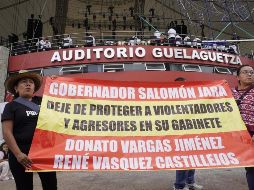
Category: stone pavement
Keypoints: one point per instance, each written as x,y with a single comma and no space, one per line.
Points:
218,179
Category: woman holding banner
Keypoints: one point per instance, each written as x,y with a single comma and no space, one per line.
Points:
19,121
244,95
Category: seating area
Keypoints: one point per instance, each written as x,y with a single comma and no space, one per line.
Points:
121,38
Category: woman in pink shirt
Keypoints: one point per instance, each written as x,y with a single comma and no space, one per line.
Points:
244,95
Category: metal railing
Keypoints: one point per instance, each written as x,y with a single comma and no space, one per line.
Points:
116,38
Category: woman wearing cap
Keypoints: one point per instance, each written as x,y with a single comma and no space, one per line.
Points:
244,95
18,129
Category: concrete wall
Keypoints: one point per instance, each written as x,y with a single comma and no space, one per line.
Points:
2,105
4,54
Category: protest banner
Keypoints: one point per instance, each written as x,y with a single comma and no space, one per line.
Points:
113,126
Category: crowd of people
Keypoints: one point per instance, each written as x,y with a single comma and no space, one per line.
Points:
45,44
174,39
171,38
19,127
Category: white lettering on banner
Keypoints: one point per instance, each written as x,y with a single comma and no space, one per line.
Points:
79,54
213,91
65,89
56,57
77,156
109,53
114,163
205,143
179,53
138,146
211,56
91,145
166,93
88,54
196,161
185,56
69,53
97,52
81,162
157,52
204,56
121,53
195,55
71,162
140,52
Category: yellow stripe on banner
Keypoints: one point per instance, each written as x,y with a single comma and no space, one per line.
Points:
137,118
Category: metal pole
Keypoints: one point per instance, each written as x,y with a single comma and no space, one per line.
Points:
244,30
222,31
147,22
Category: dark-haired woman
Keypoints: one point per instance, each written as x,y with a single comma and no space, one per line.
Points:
244,96
19,120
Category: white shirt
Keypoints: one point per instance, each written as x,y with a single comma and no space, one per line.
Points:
2,105
196,40
234,48
187,38
171,33
93,40
178,37
47,44
157,34
1,155
41,44
67,41
134,41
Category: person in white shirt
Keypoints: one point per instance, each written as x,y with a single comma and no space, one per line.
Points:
47,44
196,42
157,34
5,172
67,42
171,36
187,41
157,37
233,49
43,44
40,44
134,40
178,40
171,33
92,37
89,40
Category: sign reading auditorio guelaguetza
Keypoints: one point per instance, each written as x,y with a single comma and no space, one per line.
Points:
142,53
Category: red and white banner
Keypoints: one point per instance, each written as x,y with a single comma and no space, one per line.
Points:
107,125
